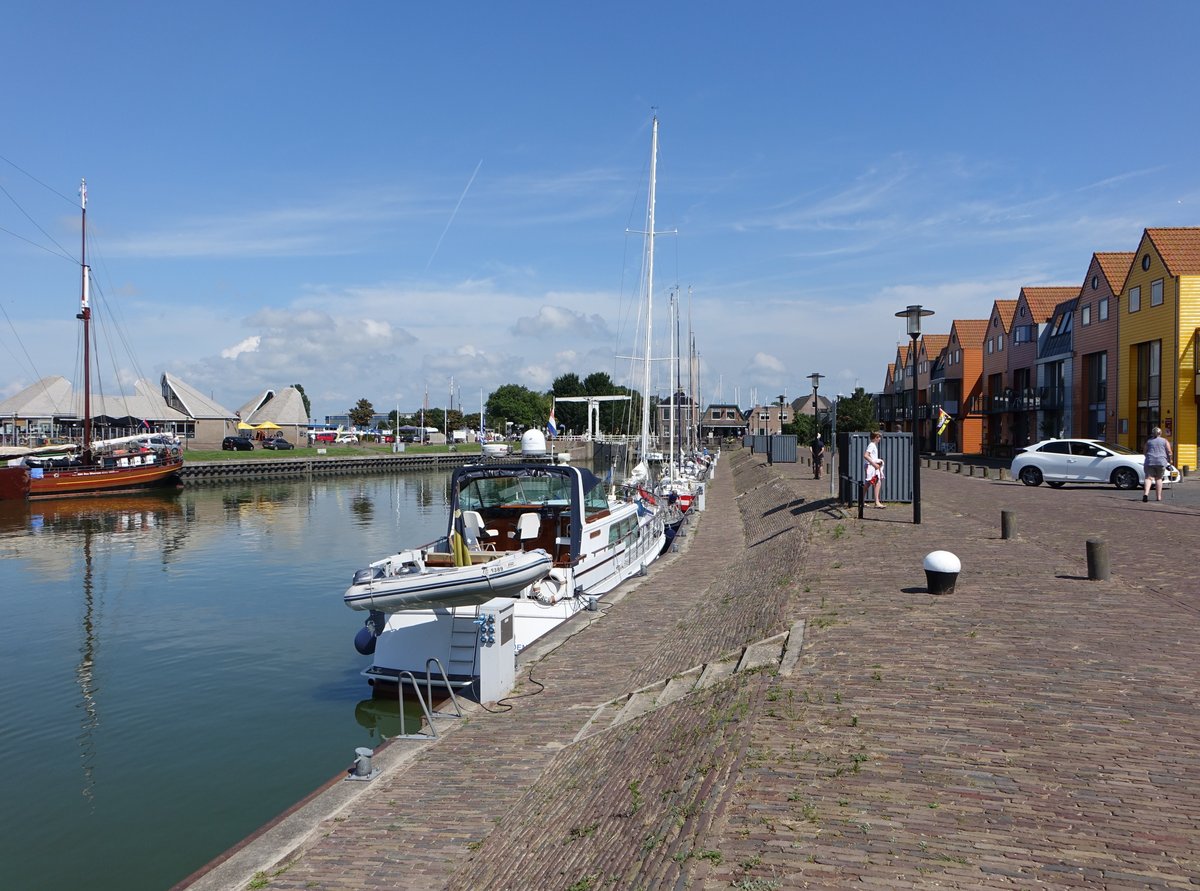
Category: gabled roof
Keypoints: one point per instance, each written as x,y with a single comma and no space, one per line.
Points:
245,411
195,404
970,332
46,398
145,403
54,396
1114,266
933,344
286,408
1005,309
1043,300
1179,248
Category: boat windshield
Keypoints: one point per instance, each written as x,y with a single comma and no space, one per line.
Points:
505,491
596,499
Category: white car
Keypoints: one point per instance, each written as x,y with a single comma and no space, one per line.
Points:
347,437
1062,461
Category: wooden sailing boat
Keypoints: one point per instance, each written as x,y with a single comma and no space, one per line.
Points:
121,465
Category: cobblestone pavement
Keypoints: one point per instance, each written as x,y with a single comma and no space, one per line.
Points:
1033,729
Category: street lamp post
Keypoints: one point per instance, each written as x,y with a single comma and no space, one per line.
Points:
913,314
815,379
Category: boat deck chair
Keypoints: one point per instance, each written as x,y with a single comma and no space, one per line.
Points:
477,535
528,528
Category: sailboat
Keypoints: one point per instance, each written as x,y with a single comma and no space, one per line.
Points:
546,538
93,467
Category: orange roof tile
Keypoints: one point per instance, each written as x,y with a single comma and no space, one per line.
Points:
1043,300
970,332
934,344
1005,309
1115,266
1179,248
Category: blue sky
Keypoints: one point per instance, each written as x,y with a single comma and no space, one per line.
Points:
373,199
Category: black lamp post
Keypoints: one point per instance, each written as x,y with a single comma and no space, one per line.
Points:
913,314
815,379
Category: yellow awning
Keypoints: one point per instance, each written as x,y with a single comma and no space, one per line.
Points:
242,425
267,425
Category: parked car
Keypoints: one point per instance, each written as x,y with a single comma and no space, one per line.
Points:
278,443
347,437
1062,461
325,437
237,444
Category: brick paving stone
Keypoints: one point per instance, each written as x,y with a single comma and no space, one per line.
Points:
1034,729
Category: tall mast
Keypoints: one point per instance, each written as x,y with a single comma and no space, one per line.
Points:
649,290
85,314
673,408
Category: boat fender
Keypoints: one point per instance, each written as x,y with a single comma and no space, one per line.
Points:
364,641
368,634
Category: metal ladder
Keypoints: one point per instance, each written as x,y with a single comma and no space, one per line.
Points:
425,698
464,642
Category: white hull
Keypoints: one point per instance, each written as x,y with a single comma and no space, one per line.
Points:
595,548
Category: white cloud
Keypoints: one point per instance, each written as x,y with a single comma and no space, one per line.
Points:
249,345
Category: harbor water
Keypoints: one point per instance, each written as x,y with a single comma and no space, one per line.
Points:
176,670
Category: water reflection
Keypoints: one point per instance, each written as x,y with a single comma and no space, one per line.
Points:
135,622
381,718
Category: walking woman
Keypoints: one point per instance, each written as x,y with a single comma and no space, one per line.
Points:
874,476
1158,456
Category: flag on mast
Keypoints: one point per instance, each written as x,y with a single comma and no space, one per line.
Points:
943,421
551,426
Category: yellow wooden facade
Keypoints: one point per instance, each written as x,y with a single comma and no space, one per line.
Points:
1174,323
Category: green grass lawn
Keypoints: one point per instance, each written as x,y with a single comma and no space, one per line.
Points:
332,450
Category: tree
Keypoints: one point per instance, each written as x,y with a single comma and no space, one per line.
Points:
856,413
517,404
362,413
617,416
569,415
307,405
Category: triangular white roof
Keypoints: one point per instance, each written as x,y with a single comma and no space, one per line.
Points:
285,408
195,404
49,397
245,411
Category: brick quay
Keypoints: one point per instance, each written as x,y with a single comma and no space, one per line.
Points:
1032,729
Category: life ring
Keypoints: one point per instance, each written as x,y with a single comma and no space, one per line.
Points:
174,451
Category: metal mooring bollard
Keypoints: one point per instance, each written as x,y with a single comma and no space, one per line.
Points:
1097,560
1008,524
362,769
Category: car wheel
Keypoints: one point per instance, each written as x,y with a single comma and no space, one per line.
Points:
1031,476
1125,478
1057,484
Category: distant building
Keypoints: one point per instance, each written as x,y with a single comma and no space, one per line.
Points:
721,420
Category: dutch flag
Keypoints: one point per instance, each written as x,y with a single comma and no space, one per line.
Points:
551,427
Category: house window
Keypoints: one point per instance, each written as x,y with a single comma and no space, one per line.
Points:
990,345
1156,292
1085,315
999,343
1102,309
1023,334
957,356
1096,376
1149,380
1135,299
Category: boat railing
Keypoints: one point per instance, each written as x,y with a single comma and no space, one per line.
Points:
425,699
